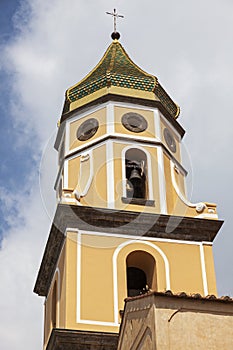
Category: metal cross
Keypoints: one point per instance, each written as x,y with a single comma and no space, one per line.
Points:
115,15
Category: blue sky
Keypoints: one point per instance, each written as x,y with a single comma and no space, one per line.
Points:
16,161
7,9
47,47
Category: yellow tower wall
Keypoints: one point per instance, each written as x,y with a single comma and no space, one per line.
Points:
92,276
100,115
147,114
105,152
60,282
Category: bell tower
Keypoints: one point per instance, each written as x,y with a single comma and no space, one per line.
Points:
123,224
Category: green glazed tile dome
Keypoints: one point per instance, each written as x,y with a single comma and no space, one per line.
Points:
116,69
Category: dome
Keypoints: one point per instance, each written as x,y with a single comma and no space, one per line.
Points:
114,76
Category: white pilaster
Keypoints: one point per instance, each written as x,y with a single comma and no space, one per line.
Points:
110,175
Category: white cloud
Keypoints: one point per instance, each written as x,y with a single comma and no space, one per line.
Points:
21,311
188,45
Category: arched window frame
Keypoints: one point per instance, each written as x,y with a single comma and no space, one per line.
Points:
150,196
55,292
54,305
146,262
119,268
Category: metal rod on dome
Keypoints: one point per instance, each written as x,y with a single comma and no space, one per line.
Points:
115,15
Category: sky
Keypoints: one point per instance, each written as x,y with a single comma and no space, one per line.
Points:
46,47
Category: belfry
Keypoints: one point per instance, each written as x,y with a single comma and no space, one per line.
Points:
123,226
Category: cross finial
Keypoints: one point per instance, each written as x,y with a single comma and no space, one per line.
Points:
115,15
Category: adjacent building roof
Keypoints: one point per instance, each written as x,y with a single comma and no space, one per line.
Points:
183,295
117,74
157,320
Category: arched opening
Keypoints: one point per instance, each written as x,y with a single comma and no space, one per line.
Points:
141,273
136,173
54,305
136,281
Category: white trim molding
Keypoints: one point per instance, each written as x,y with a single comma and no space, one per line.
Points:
137,238
78,302
200,206
207,216
79,193
110,119
65,174
110,174
67,138
162,182
157,123
203,269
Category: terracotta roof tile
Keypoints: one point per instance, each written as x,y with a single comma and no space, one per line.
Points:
169,293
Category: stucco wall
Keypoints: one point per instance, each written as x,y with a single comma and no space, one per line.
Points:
175,322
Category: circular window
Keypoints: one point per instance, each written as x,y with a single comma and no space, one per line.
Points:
87,129
170,141
134,122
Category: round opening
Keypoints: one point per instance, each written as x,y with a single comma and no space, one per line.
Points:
170,141
134,122
87,129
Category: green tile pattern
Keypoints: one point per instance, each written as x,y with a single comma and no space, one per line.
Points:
166,100
117,69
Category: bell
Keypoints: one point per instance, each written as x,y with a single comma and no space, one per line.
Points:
135,176
137,184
